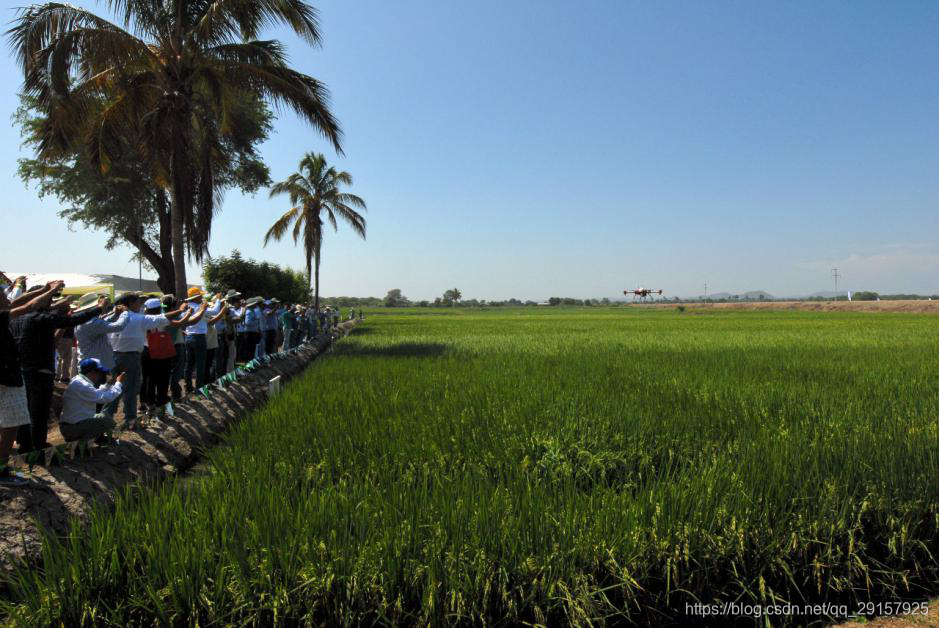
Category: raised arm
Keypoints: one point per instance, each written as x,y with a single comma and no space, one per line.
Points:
29,297
219,316
197,316
182,321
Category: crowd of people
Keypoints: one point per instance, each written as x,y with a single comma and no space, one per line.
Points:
138,353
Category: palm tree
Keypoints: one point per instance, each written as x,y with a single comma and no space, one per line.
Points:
314,191
174,77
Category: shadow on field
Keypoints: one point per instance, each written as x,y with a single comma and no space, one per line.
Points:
401,350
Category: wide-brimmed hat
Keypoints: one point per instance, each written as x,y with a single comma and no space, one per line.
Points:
87,301
194,293
232,294
253,301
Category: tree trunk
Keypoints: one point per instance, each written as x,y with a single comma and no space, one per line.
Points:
166,279
181,203
159,263
316,285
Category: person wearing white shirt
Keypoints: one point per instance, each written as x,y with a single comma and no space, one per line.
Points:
129,343
80,419
196,348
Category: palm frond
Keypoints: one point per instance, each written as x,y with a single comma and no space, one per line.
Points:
279,228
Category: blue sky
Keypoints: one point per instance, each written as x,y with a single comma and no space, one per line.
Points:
534,148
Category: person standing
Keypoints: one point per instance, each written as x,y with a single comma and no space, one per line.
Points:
252,328
159,357
92,336
195,341
269,325
64,342
286,327
128,345
216,315
236,329
35,340
14,406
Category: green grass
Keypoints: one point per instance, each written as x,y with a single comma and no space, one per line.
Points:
542,465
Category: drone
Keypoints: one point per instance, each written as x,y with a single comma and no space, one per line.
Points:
642,293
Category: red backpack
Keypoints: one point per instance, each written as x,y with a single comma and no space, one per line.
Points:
160,344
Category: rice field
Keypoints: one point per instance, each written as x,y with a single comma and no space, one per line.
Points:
545,466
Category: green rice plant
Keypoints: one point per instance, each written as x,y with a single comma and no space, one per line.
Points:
545,466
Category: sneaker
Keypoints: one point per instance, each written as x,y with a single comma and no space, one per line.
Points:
12,478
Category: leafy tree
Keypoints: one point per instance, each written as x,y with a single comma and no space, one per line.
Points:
124,202
252,278
452,296
864,295
315,191
172,79
394,298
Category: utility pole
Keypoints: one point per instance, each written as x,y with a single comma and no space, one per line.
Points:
835,276
705,291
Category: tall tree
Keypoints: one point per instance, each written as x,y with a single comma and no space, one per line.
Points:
124,202
315,191
171,77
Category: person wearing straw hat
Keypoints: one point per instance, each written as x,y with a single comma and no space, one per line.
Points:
268,327
128,346
80,419
194,333
92,336
14,405
35,340
252,335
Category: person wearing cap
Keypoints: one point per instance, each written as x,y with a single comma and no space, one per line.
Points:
80,419
159,356
92,336
14,405
35,340
225,329
128,346
195,339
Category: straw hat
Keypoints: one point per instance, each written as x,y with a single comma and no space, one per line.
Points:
86,302
253,301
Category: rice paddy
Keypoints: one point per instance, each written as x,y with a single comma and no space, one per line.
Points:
545,466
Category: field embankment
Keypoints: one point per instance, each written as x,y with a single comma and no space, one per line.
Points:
551,467
67,490
917,306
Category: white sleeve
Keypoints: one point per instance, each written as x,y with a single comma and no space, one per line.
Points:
155,321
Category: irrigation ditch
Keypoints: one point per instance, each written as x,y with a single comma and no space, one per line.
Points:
60,493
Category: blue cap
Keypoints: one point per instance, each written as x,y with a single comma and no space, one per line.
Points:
92,364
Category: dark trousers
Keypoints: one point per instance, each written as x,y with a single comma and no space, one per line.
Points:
146,373
195,360
221,356
39,388
176,374
209,374
248,342
270,339
156,381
